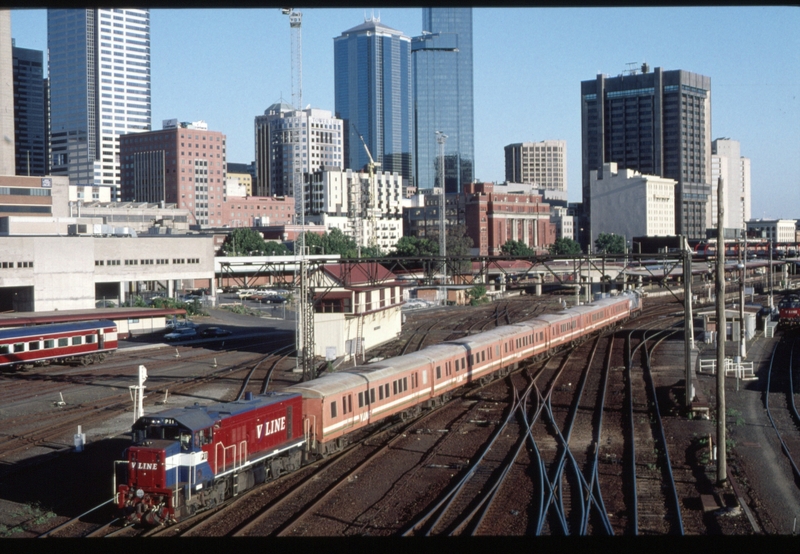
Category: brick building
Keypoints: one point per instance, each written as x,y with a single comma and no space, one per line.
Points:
494,216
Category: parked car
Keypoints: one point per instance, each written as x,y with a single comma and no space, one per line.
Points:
182,333
215,332
176,323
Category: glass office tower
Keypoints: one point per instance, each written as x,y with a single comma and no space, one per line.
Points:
373,96
443,98
99,73
29,112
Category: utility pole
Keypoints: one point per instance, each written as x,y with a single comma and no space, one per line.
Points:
722,468
441,139
688,326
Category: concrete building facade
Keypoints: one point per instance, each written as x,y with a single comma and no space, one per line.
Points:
775,230
627,203
656,123
99,89
727,162
542,163
291,143
7,149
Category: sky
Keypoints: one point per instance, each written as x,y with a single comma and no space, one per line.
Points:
226,66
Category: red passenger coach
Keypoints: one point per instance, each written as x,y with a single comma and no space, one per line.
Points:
82,342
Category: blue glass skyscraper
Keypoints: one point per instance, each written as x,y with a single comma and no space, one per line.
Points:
442,59
372,67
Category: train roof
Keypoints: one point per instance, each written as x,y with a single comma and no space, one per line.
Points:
199,416
39,330
489,337
18,319
328,385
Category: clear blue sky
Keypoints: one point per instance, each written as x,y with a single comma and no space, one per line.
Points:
227,66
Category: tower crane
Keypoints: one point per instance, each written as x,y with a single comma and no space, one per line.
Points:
304,332
373,208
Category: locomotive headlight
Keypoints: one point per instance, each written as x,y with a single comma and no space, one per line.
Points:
139,493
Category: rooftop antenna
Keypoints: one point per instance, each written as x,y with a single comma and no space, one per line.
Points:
632,68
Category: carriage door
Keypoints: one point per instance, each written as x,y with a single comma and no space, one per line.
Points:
101,339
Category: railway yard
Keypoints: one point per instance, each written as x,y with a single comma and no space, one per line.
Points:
594,440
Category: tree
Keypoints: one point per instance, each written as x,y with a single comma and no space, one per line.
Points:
272,248
242,242
415,247
609,243
517,249
565,247
477,295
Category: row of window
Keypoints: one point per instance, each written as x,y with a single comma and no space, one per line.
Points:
46,344
10,265
160,261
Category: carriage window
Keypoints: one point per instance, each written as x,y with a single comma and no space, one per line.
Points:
333,409
3,349
89,339
380,392
49,343
405,383
372,396
438,372
361,400
33,345
76,341
386,387
19,347
63,342
394,387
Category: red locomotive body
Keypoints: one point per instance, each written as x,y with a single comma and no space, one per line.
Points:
188,459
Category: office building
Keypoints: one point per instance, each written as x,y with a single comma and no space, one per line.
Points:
182,164
372,79
443,98
541,163
290,144
99,81
655,123
647,202
726,162
29,112
6,96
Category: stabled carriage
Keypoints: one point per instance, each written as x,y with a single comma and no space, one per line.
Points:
187,459
81,342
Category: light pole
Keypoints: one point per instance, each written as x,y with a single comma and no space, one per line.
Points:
441,139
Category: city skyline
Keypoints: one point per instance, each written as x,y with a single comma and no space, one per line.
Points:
527,86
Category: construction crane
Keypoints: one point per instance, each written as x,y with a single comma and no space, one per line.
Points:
304,332
373,208
296,26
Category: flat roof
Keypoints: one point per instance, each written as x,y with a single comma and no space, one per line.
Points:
18,319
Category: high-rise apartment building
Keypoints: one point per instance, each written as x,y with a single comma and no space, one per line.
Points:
543,163
443,98
6,96
29,112
655,123
726,162
182,164
372,76
292,143
99,80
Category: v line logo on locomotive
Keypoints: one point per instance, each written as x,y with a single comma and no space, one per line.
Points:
271,427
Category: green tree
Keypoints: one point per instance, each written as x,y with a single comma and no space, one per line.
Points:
415,247
609,243
272,248
565,247
243,242
517,248
477,295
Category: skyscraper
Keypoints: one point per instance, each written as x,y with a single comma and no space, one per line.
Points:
372,72
655,123
29,112
99,73
289,142
443,97
543,163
